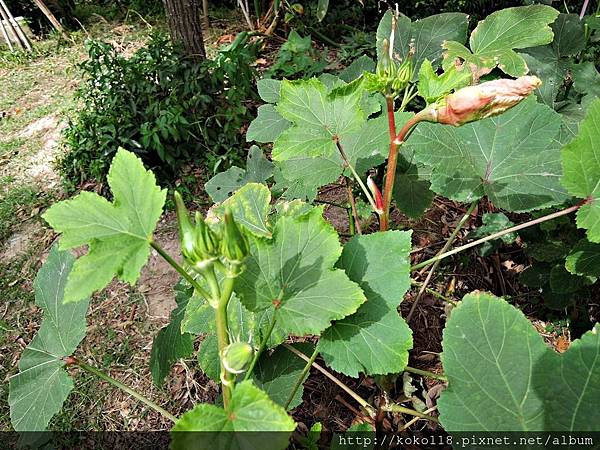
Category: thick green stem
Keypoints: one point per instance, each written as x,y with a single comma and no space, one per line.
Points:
446,246
497,235
227,378
180,270
213,283
300,379
262,345
123,387
425,373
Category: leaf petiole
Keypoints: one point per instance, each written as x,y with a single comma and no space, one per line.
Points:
300,379
223,336
180,270
355,175
93,370
499,234
446,246
263,344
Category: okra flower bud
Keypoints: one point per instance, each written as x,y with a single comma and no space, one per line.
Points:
377,197
207,242
186,231
480,101
234,246
236,356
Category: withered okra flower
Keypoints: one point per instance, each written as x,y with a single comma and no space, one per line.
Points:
480,101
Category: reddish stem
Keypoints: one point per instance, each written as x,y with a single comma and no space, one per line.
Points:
395,141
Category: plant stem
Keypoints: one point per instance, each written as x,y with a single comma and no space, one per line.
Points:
181,270
394,407
446,246
414,419
435,293
123,387
300,379
262,346
227,378
213,283
499,234
361,401
390,175
425,373
353,207
583,9
355,175
323,38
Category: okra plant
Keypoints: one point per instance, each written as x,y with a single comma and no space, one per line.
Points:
266,280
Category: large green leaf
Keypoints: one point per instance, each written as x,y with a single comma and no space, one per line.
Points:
303,170
267,126
412,192
503,377
250,409
118,234
433,87
292,276
581,165
490,351
357,68
250,206
209,359
365,148
269,89
316,118
584,259
171,344
569,383
586,80
277,373
424,36
494,39
258,170
513,158
374,340
551,63
38,391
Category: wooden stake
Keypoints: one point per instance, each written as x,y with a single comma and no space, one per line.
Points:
11,28
55,23
6,36
16,26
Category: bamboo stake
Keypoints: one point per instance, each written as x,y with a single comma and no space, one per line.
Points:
6,36
55,23
17,27
10,26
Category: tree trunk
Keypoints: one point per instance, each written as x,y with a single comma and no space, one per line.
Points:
205,14
183,17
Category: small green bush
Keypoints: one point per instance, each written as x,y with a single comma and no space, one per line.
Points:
166,108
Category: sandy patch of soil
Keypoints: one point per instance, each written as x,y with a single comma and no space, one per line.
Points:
158,277
40,165
19,243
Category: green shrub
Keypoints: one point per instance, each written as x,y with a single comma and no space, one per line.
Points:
167,109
